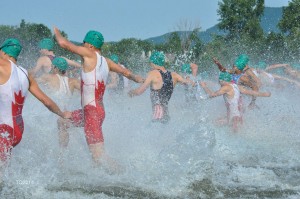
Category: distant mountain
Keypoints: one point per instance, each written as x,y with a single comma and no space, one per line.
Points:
268,22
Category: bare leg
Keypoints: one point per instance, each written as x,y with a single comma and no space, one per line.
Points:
4,159
63,134
97,151
236,122
100,158
63,137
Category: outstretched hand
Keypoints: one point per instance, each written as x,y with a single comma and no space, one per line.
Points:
56,30
266,94
215,60
67,115
57,34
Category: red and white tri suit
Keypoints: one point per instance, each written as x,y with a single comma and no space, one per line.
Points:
12,97
92,114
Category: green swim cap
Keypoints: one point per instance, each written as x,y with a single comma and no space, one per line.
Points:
60,63
225,76
186,68
157,58
12,47
114,58
95,38
46,44
242,61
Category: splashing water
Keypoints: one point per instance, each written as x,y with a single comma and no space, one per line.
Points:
190,157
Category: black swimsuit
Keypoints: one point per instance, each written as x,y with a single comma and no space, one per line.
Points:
161,97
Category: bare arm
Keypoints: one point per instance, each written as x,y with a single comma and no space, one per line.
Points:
66,44
220,66
286,79
221,91
39,66
182,80
277,66
73,63
42,97
142,88
245,91
124,71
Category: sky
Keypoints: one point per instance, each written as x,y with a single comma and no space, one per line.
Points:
116,19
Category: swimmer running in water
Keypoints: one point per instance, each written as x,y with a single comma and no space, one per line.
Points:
62,88
95,69
242,75
162,83
14,86
117,82
231,93
44,62
288,70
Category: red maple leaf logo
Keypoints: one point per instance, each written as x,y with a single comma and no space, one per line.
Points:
99,91
17,108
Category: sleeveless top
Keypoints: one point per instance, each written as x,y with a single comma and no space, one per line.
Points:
93,83
64,88
233,104
160,98
63,95
163,95
12,97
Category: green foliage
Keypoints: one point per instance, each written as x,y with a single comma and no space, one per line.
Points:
29,35
129,51
173,45
241,17
290,22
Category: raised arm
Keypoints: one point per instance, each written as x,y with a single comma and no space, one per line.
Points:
220,66
124,71
66,44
